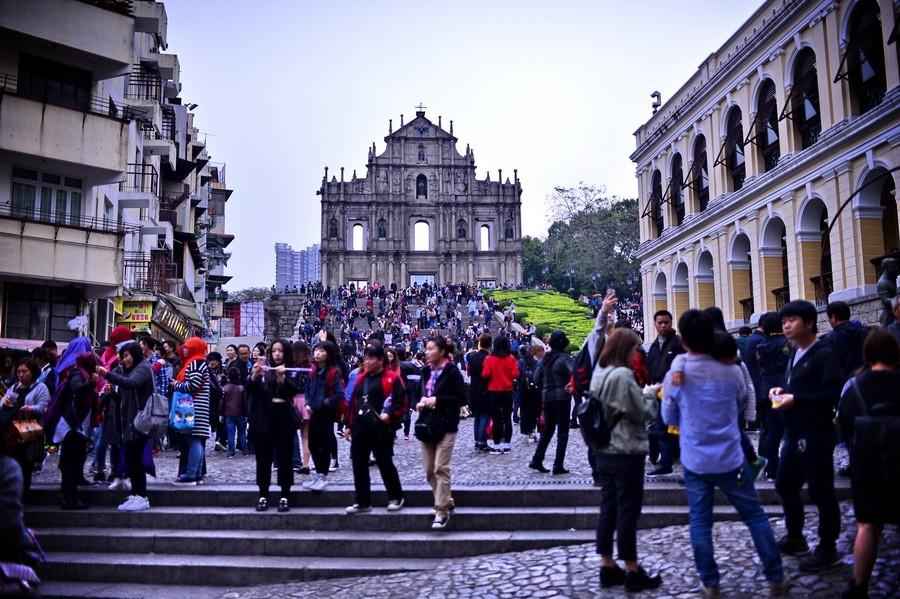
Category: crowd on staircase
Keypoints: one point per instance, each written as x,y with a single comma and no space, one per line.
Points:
428,356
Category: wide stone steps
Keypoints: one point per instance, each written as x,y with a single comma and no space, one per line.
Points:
211,535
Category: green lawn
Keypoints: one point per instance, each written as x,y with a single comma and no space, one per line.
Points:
549,310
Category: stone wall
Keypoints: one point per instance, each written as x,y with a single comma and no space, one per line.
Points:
866,310
282,312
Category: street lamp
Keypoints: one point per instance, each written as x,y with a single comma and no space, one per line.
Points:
596,278
546,271
570,272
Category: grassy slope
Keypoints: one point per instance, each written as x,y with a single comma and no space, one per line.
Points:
549,310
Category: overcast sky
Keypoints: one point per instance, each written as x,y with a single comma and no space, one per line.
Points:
553,89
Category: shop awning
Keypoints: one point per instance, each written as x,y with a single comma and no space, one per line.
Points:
27,344
186,308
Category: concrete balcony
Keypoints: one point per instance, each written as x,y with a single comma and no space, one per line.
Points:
168,65
156,144
104,37
78,250
150,17
140,189
84,136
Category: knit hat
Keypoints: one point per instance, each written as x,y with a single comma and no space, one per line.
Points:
120,335
558,340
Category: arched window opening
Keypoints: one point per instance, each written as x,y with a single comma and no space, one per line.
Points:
878,223
508,230
461,229
358,238
422,153
803,103
706,294
422,237
332,229
775,263
742,277
656,203
732,152
862,65
677,186
484,238
699,176
765,127
382,229
421,186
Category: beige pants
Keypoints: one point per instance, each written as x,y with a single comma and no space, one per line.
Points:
436,459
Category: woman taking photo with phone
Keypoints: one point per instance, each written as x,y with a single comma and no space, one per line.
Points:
272,423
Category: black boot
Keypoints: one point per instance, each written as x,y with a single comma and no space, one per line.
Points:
641,581
856,591
611,576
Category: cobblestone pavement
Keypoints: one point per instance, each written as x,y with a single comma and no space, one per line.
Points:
572,571
469,467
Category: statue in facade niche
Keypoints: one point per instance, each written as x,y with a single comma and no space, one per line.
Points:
887,289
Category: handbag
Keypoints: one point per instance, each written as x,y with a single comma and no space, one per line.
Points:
595,429
24,432
153,420
874,451
431,426
181,412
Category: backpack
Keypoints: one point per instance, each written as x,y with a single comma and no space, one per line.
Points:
595,428
875,453
583,369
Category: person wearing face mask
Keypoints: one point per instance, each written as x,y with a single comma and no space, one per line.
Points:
134,379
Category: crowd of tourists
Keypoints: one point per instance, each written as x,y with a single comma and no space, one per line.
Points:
688,396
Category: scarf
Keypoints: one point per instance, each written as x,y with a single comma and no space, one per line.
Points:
192,350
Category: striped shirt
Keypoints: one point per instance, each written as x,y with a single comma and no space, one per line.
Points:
196,382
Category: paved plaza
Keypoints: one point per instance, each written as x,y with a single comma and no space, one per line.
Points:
557,572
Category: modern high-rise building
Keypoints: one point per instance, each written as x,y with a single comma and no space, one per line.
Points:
296,267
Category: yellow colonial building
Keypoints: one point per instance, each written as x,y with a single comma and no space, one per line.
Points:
770,174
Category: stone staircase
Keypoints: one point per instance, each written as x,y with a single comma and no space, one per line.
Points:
209,538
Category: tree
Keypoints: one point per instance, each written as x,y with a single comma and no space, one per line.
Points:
532,260
591,235
250,294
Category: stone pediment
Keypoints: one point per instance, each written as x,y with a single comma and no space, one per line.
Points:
420,128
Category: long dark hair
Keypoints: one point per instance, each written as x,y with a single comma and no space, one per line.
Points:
286,352
137,355
331,350
501,347
300,353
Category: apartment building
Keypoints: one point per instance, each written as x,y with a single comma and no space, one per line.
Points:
771,174
105,182
296,267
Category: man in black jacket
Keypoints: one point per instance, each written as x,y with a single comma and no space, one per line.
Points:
553,378
662,351
846,337
814,378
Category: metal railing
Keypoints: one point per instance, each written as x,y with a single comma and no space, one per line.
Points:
156,273
747,307
76,221
823,286
143,84
140,177
782,296
75,99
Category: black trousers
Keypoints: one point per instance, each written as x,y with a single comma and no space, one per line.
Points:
501,414
770,438
808,456
134,464
277,444
529,410
380,444
74,453
622,479
556,417
321,438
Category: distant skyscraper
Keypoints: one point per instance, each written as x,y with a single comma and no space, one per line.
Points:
296,267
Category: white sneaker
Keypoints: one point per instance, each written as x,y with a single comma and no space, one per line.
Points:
123,507
308,482
137,504
395,505
120,484
319,484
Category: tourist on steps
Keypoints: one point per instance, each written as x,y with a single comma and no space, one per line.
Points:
324,398
442,390
501,371
619,467
553,378
272,429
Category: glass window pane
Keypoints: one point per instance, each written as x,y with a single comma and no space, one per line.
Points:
75,209
46,203
60,215
23,200
23,173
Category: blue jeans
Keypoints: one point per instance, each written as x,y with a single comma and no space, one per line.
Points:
99,448
700,490
481,422
236,424
194,447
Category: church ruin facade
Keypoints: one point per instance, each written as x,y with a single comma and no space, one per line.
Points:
420,215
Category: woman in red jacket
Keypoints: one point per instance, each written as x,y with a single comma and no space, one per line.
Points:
500,371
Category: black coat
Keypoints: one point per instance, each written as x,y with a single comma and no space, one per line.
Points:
478,395
815,382
553,375
261,391
450,391
660,360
